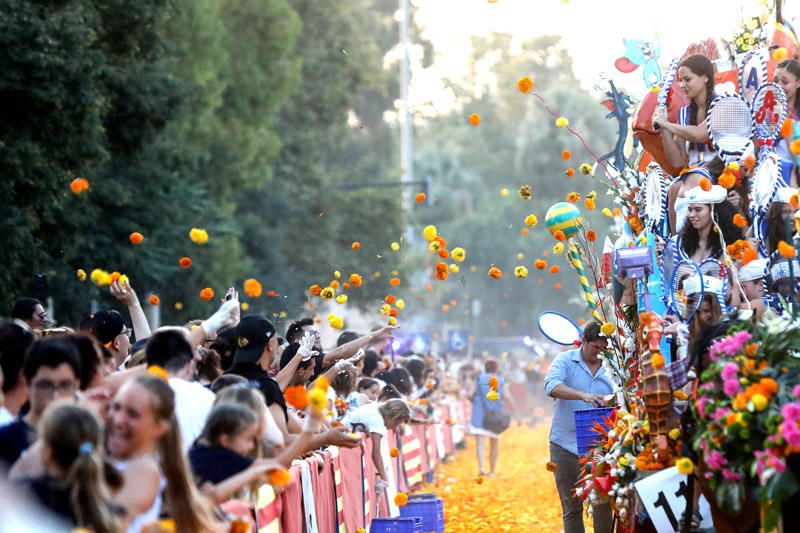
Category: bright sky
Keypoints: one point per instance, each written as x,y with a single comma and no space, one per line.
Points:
592,30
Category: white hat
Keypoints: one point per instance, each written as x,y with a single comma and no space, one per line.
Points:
784,194
691,285
755,269
780,270
715,195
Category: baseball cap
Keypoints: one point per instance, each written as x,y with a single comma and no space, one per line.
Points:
105,324
252,335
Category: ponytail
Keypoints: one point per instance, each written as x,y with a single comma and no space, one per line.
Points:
73,435
187,507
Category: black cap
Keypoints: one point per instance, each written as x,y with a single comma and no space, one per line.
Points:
252,335
105,324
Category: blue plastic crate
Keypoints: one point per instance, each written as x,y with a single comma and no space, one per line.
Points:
422,496
396,525
429,508
585,420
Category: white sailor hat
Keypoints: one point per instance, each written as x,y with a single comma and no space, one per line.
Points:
780,269
691,285
755,269
715,195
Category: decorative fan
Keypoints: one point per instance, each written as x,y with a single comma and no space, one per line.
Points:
764,183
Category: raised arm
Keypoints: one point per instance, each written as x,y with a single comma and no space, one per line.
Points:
226,316
350,348
125,294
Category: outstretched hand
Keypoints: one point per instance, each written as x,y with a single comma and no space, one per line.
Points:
124,293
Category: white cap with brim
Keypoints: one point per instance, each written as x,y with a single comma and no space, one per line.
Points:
755,269
780,270
784,194
715,195
711,284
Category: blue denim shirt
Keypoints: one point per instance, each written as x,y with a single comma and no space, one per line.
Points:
570,369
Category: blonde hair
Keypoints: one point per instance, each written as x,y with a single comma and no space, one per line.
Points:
253,400
74,437
396,409
187,507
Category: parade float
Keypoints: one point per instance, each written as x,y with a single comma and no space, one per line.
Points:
737,426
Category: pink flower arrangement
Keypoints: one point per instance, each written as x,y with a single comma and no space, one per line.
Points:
729,346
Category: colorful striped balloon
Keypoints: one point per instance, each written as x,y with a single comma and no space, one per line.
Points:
563,216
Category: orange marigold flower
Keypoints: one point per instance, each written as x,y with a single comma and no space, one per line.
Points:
795,147
154,300
479,479
394,452
493,382
554,269
296,396
390,299
115,276
739,220
393,312
334,283
551,466
252,288
356,245
444,254
136,238
786,249
401,499
495,273
566,154
769,385
441,272
316,289
787,128
441,241
559,235
355,280
524,231
420,197
185,262
474,119
279,477
345,285
570,172
794,201
727,179
705,184
394,282
207,293
557,286
78,185
591,235
657,360
750,349
749,162
525,84
541,264
272,293
589,203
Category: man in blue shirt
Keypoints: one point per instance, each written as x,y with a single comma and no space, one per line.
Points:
576,380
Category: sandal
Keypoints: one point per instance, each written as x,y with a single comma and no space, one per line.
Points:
694,523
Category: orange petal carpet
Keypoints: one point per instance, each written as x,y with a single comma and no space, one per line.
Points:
522,497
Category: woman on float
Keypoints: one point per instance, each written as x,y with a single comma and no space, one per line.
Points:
686,142
144,444
787,75
779,210
708,229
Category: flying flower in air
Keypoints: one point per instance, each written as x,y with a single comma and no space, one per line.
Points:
585,169
495,273
525,84
252,288
441,271
531,220
78,185
207,293
526,192
429,233
198,236
474,119
420,197
185,262
573,197
458,254
327,293
335,321
562,122
81,273
136,238
355,280
521,272
356,245
154,300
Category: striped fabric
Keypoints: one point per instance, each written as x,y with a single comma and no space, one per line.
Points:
339,490
267,513
412,455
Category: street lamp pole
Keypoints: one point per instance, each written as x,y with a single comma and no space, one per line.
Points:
406,143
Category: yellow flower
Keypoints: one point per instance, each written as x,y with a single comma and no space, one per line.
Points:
521,272
585,169
573,197
685,466
395,246
779,54
179,306
317,399
124,280
493,396
81,274
526,192
760,401
434,246
400,304
525,84
454,268
429,233
608,329
327,293
245,306
341,299
562,122
558,248
503,192
531,220
386,309
607,212
458,254
336,322
100,277
198,236
392,321
337,274
674,433
624,461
